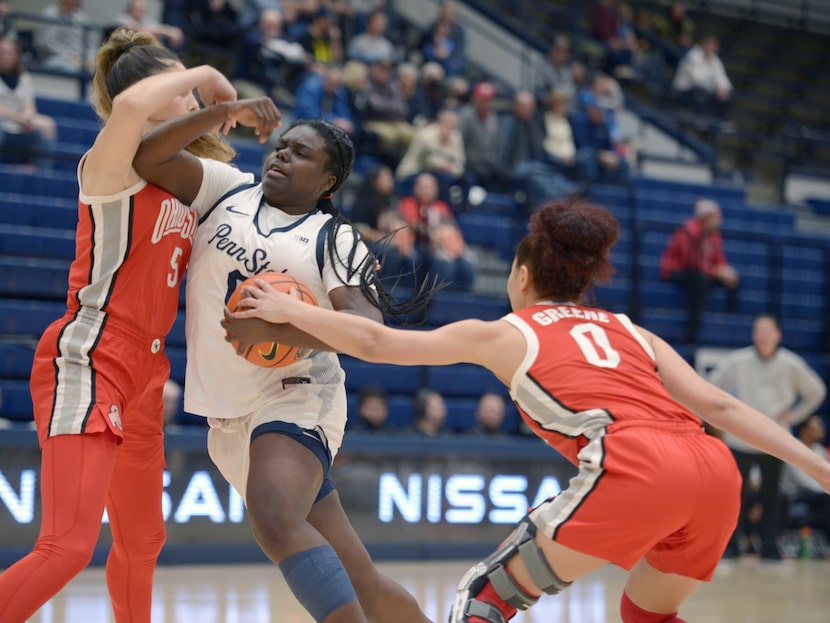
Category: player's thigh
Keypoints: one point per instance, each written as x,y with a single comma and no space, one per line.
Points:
284,475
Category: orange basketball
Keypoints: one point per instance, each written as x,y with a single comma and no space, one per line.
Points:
272,354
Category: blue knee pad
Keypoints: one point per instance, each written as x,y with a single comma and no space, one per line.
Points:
318,580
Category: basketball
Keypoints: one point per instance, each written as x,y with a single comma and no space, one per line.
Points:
272,354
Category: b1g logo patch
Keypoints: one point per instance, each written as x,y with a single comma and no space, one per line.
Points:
115,417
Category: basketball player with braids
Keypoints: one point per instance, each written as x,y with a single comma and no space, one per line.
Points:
653,494
275,431
99,372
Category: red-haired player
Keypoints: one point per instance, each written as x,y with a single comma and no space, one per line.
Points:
654,493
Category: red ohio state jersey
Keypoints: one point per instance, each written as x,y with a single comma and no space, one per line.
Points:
585,369
131,253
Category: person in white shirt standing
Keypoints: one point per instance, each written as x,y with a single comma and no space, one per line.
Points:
780,384
701,82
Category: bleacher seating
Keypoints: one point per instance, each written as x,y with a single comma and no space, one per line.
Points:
781,267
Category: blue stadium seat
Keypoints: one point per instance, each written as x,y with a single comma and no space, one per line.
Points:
63,108
17,401
462,380
28,318
461,414
394,379
451,306
495,231
33,277
59,184
615,296
15,359
37,241
718,192
38,211
176,336
178,358
78,131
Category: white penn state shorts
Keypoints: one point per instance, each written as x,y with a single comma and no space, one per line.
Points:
319,408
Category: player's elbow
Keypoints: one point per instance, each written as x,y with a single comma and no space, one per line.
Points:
718,408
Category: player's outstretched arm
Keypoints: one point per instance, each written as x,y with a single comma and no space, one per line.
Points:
161,158
497,345
730,414
109,165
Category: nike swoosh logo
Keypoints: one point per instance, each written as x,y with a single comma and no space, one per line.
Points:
233,210
271,353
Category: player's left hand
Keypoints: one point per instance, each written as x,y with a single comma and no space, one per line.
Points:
259,113
246,330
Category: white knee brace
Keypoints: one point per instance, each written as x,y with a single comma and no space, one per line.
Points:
521,541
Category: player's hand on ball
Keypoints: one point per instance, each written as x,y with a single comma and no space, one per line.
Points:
246,331
264,302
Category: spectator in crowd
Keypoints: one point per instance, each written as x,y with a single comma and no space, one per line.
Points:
268,62
480,128
799,488
595,147
212,35
26,136
558,142
372,44
428,98
64,43
172,12
321,95
250,12
407,75
7,29
694,260
374,196
386,233
171,396
456,90
372,410
322,39
429,412
444,41
353,14
386,112
676,31
522,153
490,415
604,23
135,17
356,81
611,99
437,148
701,82
627,34
557,73
438,238
778,383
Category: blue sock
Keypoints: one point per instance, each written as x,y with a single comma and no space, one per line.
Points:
318,580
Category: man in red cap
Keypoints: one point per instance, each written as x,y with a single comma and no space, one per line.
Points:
694,260
480,129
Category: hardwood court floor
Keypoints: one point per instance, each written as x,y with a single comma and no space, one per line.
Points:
743,591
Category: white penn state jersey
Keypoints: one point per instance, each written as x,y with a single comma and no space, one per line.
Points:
238,236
